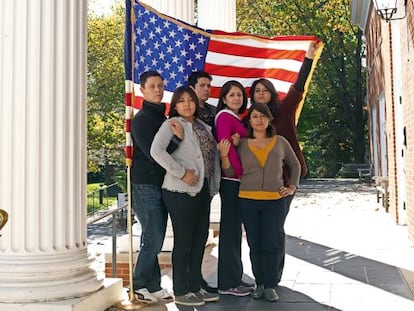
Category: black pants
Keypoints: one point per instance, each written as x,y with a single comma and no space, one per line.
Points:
190,221
288,201
230,268
263,221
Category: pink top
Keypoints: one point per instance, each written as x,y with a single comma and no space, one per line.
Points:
227,124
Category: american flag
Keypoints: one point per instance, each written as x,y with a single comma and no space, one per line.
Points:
154,41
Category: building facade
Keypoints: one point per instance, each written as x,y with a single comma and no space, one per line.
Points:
390,72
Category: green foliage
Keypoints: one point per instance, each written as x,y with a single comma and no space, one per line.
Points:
332,127
106,134
333,124
94,204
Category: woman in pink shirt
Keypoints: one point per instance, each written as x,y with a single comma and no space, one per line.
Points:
228,125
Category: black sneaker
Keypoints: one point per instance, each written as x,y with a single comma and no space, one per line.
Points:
271,295
239,291
204,285
189,299
206,296
258,292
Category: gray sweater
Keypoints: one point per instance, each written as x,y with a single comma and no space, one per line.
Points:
187,156
270,177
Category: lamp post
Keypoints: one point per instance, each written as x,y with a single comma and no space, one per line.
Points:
387,9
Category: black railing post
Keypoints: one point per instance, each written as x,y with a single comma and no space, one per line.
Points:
101,193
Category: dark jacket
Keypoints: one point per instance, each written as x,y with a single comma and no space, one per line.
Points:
144,126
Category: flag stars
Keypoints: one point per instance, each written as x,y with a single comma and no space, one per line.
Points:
140,14
169,48
172,34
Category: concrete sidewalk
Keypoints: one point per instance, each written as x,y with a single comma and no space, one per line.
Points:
343,253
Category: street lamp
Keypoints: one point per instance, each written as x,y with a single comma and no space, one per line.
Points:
387,8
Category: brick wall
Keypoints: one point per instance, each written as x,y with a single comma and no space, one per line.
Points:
407,51
122,271
379,63
122,265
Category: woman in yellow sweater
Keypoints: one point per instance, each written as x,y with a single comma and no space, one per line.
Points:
262,194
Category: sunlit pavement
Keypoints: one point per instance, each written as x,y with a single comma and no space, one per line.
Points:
344,252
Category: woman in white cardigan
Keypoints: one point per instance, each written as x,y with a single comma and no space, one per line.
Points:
192,178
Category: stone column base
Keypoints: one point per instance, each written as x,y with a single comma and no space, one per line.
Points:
107,296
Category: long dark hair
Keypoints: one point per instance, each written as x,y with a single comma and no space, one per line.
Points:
179,91
225,89
274,99
264,109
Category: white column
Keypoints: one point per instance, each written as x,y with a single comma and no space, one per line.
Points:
217,14
43,247
181,9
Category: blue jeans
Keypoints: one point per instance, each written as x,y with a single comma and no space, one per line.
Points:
149,207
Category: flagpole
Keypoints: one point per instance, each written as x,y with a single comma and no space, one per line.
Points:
131,303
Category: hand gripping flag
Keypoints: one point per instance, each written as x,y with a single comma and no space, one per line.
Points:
154,41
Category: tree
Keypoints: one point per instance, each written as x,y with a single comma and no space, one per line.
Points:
106,134
332,127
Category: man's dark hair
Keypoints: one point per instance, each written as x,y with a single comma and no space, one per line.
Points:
193,79
148,74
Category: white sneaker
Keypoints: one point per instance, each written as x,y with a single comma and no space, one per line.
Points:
144,295
163,295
